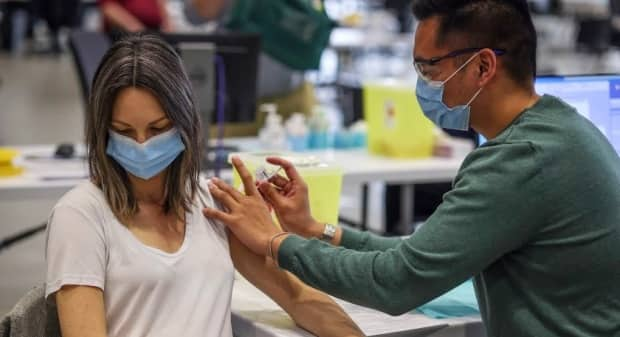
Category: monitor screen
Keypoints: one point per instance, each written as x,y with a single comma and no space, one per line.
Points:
239,53
595,97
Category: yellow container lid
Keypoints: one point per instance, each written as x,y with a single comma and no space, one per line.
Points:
7,169
10,171
7,156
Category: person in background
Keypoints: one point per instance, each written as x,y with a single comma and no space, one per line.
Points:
135,15
207,9
128,252
57,14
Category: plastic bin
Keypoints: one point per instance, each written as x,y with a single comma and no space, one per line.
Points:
396,125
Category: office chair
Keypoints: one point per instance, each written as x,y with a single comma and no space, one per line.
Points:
31,316
87,48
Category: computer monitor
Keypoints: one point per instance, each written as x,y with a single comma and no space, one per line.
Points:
199,61
205,57
239,53
596,97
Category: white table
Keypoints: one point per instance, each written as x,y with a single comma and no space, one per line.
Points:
255,314
51,178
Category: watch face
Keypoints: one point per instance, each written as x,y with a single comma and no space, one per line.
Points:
328,232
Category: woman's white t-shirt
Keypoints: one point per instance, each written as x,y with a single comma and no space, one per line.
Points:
147,292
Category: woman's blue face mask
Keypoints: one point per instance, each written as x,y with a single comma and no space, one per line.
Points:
430,98
148,159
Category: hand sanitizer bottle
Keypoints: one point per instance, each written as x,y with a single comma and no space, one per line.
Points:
272,136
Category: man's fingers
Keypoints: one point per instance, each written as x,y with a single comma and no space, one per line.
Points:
222,196
289,168
218,215
279,181
270,193
246,177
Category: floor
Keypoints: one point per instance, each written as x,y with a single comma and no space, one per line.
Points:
40,100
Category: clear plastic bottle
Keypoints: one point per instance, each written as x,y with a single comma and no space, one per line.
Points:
297,132
273,135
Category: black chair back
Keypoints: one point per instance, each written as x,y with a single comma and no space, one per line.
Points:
87,48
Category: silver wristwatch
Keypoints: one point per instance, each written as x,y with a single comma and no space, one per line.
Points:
328,233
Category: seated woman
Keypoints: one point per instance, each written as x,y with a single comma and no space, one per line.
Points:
134,16
129,252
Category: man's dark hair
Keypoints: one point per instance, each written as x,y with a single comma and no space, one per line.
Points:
500,24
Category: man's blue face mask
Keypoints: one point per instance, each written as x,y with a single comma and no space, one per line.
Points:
148,159
430,98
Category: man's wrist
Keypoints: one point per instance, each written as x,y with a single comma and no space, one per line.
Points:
275,246
315,230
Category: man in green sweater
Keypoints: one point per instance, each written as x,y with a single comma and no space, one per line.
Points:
534,215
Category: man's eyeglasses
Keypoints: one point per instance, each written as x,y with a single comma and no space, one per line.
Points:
426,68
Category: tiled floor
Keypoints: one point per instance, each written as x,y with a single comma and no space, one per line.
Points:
40,100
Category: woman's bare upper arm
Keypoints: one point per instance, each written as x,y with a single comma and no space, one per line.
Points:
81,311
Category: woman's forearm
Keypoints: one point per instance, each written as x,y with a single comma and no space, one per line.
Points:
309,308
319,314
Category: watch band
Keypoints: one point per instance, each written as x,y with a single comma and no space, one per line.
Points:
328,233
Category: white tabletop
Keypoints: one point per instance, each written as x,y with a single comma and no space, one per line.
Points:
53,176
42,177
361,167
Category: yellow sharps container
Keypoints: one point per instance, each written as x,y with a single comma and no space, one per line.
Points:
396,125
324,180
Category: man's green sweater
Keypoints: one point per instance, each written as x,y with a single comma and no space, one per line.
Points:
534,215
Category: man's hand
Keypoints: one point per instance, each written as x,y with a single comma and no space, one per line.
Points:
247,216
290,201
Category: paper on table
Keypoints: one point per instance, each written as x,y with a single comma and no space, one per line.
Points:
54,169
255,314
375,323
